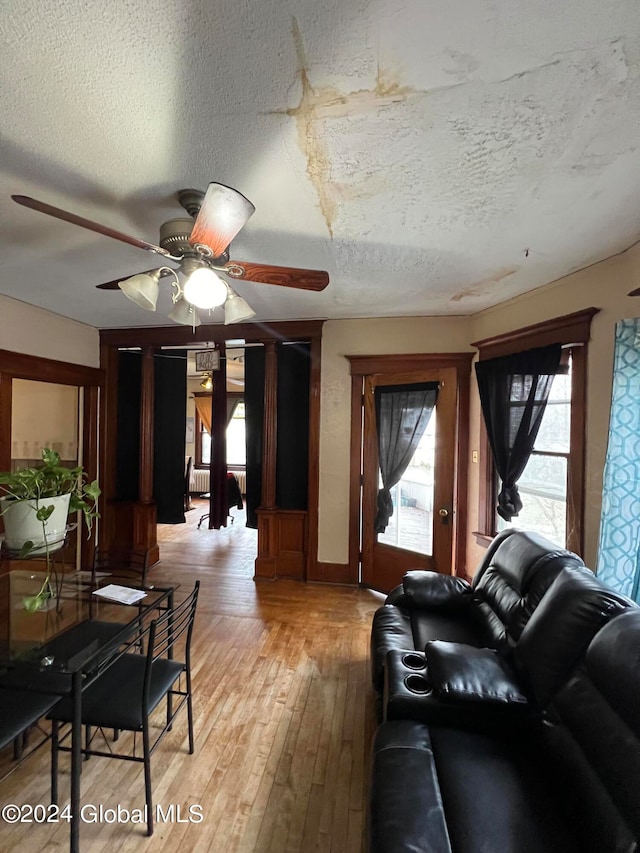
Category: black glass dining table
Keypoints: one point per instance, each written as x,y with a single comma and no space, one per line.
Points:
77,626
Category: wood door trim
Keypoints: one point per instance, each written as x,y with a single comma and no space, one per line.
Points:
360,366
364,365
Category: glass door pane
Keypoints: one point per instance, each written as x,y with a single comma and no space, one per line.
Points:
411,525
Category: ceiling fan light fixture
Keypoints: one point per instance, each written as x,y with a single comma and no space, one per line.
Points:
205,289
185,314
237,309
142,289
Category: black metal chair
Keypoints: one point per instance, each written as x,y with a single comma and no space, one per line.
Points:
129,686
131,569
19,711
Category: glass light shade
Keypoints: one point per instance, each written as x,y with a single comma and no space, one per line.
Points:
142,289
237,309
205,289
185,314
207,382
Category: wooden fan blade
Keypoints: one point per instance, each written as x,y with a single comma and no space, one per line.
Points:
223,212
282,276
635,292
42,207
114,285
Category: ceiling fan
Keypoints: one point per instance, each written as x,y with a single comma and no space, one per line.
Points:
201,250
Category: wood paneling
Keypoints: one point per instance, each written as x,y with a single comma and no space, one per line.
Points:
145,495
282,544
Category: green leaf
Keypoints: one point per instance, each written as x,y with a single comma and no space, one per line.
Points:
44,512
31,603
26,549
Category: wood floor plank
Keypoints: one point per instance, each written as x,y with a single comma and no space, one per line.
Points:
283,719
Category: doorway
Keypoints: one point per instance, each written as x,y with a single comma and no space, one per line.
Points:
425,530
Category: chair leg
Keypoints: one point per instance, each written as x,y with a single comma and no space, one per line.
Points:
87,741
147,777
54,762
190,712
116,734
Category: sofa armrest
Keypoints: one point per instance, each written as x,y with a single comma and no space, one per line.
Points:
434,591
463,674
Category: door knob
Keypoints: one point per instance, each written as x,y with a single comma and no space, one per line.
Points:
443,513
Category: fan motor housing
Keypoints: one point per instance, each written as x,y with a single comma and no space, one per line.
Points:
174,236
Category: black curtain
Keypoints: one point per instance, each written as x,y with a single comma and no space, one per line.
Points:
292,456
254,415
514,390
169,428
128,426
402,415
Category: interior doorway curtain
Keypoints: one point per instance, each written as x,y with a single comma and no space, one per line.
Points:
203,405
619,546
169,429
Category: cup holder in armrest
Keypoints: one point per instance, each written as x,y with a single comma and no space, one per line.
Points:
412,660
417,683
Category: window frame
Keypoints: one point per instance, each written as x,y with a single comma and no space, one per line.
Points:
572,331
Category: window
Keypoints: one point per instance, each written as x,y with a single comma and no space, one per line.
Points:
236,442
543,485
552,484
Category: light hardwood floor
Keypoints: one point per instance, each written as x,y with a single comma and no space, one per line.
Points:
283,719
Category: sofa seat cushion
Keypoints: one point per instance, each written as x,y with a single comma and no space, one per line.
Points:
406,814
498,795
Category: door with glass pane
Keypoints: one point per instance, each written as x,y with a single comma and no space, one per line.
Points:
419,534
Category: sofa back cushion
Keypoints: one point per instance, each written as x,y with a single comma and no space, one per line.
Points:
556,637
512,582
596,743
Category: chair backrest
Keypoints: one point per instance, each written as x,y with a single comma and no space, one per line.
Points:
132,568
187,475
514,577
592,738
175,624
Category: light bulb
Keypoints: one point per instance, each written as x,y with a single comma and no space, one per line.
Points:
205,289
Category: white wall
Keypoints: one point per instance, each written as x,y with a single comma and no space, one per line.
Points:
34,331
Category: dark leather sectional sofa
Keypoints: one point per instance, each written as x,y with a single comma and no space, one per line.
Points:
510,709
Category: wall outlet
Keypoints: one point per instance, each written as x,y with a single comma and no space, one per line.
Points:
474,456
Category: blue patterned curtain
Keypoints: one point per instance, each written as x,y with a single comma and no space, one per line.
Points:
619,548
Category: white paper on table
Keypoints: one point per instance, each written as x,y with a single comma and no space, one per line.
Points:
123,594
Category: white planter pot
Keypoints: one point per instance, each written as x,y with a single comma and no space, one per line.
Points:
21,524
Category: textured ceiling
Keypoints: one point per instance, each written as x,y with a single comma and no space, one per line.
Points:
435,158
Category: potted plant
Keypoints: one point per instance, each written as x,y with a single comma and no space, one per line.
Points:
35,504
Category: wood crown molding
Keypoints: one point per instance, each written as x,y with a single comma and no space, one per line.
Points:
22,366
568,329
290,330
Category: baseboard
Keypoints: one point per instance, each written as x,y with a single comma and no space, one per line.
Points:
339,573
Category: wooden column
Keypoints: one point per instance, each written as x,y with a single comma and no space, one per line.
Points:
218,509
267,515
6,381
145,543
270,426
